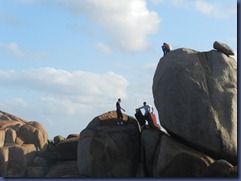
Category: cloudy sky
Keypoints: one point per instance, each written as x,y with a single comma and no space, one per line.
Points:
64,62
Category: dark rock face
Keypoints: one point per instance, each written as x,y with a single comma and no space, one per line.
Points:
150,140
64,169
195,94
174,159
219,168
67,149
109,150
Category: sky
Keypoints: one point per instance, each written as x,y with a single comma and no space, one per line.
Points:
64,62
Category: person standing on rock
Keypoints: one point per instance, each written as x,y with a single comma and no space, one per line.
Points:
118,109
166,48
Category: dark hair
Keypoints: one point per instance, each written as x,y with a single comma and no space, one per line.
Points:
144,103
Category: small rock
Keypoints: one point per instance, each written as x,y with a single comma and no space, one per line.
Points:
222,47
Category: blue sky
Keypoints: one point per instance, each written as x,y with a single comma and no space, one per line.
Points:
64,62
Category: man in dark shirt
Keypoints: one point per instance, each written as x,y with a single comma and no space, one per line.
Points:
118,109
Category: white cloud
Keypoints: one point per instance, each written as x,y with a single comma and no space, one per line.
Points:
208,8
213,9
14,49
63,101
103,48
157,1
216,10
127,23
86,85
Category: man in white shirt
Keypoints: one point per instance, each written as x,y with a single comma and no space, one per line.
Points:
148,108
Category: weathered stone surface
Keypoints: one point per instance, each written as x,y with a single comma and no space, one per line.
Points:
218,168
67,149
3,161
72,135
41,131
5,124
26,133
39,161
174,159
37,171
195,94
64,169
17,162
2,138
17,127
8,120
222,47
30,152
106,149
10,136
150,139
19,141
31,134
58,139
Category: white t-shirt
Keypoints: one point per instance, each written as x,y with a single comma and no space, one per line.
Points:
147,109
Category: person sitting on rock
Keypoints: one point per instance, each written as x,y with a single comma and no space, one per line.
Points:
166,48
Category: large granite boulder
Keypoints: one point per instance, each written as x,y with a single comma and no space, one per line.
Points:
174,159
150,140
107,149
195,94
67,149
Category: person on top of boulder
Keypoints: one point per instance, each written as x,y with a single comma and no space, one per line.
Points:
166,48
118,109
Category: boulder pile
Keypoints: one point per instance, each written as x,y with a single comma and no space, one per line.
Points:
195,94
19,143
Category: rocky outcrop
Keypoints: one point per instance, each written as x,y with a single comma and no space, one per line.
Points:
195,94
106,149
19,142
196,97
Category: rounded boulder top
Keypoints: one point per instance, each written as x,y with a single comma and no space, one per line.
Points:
222,47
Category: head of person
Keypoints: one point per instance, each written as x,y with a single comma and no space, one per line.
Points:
144,103
119,100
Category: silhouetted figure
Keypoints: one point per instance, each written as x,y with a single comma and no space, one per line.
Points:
166,48
118,109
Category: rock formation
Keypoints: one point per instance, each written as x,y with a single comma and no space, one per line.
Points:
195,94
109,150
19,142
